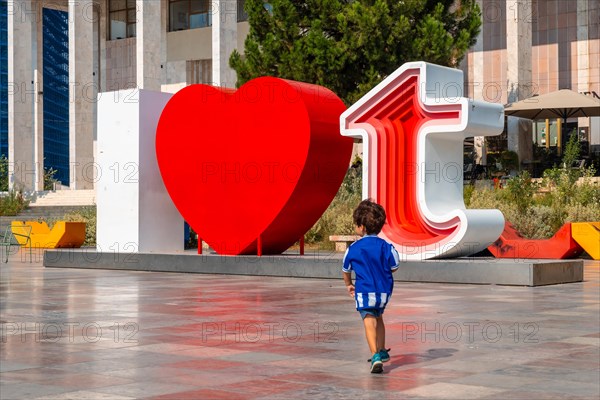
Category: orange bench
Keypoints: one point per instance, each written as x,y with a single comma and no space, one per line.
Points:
587,235
511,244
63,234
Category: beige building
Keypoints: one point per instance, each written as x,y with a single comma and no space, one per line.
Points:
525,47
529,47
113,44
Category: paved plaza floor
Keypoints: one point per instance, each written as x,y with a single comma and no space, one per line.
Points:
95,334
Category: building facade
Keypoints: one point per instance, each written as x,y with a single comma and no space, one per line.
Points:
160,45
56,93
534,47
52,51
3,80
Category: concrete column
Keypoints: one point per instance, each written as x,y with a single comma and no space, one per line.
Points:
134,215
97,70
149,44
82,94
583,70
164,26
518,53
224,41
22,93
478,85
583,56
38,114
103,33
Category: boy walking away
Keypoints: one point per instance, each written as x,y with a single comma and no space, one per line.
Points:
373,261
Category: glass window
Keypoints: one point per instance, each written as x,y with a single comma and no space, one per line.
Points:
118,25
200,15
122,19
198,6
189,14
131,15
131,30
553,133
200,20
179,15
540,133
242,15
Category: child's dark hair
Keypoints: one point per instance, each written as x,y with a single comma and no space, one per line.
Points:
370,215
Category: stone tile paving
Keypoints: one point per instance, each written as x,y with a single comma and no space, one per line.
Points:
91,334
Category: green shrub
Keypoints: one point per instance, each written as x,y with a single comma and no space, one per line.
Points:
537,210
569,195
87,215
587,193
535,214
12,203
509,160
519,191
570,192
485,198
337,219
580,213
532,221
535,222
3,173
49,179
468,191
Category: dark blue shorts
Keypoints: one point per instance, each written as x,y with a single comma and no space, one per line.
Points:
375,312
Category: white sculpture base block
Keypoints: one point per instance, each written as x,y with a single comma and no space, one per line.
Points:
135,212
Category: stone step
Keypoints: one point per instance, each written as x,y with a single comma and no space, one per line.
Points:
64,198
37,213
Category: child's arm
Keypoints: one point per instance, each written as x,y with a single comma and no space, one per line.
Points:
348,282
396,259
347,271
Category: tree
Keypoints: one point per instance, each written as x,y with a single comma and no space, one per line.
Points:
350,46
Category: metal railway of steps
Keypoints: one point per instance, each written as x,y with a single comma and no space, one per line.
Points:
52,206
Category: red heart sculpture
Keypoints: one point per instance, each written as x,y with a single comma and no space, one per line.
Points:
262,162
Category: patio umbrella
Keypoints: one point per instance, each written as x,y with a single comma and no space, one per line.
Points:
560,104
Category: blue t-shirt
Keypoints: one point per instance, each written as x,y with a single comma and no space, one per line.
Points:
372,259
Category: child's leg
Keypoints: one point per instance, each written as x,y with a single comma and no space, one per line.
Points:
370,323
380,334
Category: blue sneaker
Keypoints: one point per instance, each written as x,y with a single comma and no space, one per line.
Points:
376,364
384,355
